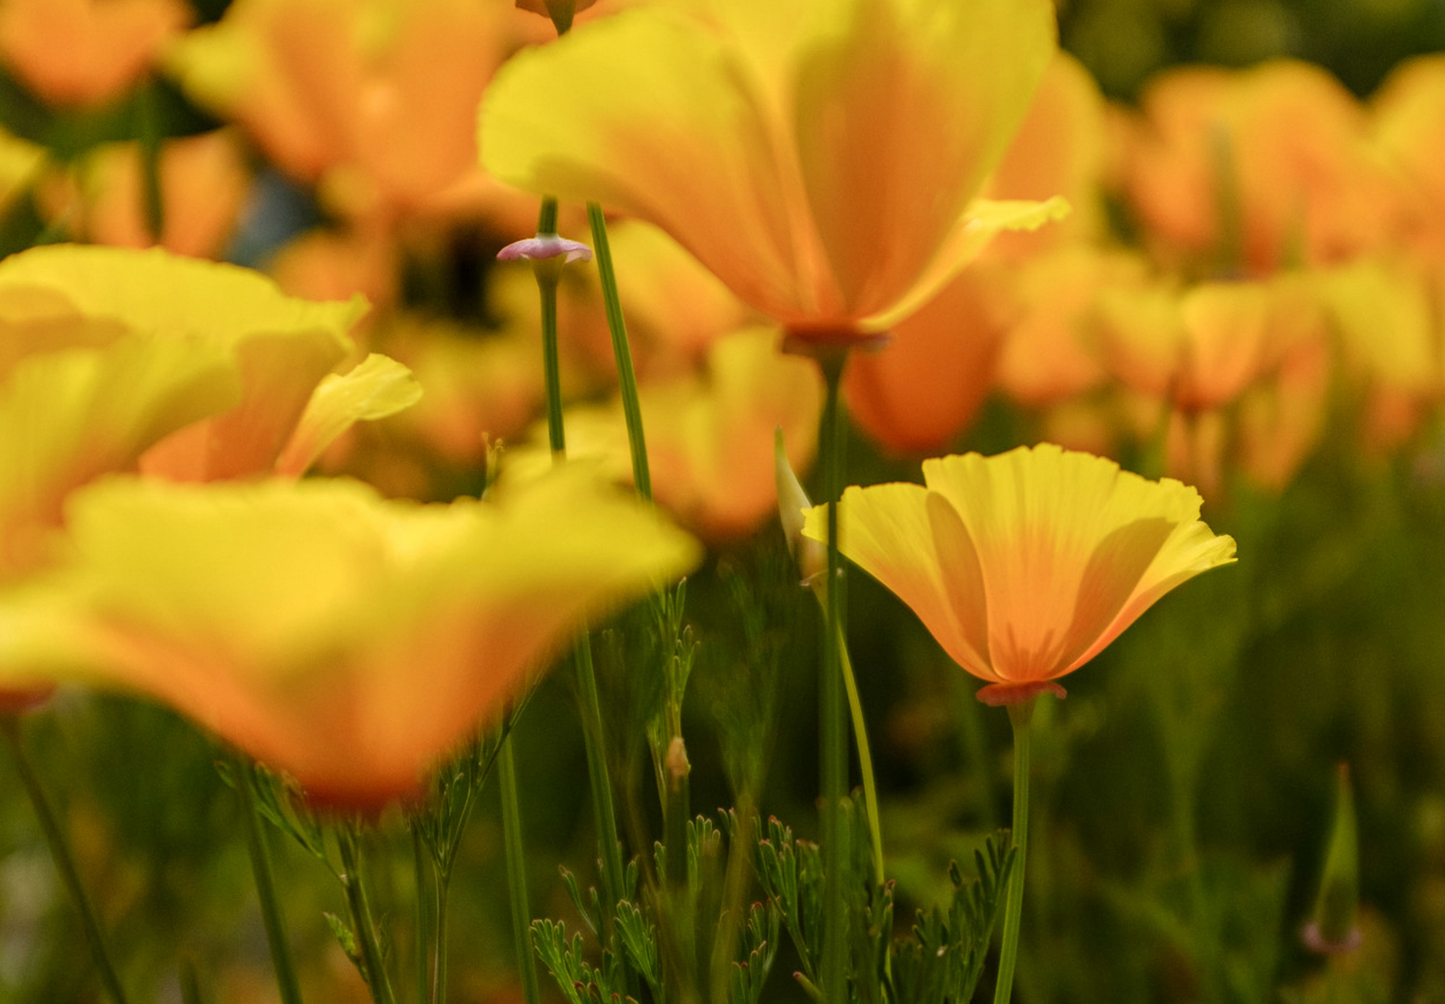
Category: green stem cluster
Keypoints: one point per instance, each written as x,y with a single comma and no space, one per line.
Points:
364,926
272,918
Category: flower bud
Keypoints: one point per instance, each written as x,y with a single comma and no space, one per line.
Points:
1333,929
810,555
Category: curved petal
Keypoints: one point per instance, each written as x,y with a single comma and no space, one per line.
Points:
901,111
1070,547
889,531
657,115
377,387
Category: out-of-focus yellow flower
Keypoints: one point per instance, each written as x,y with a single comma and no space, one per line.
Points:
348,641
710,434
204,182
820,158
480,387
1406,113
1387,313
1277,154
82,52
920,391
374,99
114,358
1026,565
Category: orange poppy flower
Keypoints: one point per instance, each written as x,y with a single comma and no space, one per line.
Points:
1274,158
349,641
710,434
375,98
821,158
82,52
921,390
204,183
1026,565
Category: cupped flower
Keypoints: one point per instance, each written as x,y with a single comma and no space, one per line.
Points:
1026,565
279,348
374,98
822,160
347,640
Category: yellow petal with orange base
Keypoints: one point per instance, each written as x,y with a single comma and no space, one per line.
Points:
1025,565
818,159
349,641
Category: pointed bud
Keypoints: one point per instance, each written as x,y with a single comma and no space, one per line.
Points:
810,555
560,11
1333,930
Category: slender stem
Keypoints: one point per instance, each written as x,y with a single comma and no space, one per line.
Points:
831,727
865,761
1020,715
271,916
621,351
517,873
440,954
420,858
551,364
148,130
606,813
60,852
591,710
361,921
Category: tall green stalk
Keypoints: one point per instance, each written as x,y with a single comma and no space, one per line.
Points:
621,352
517,874
1020,715
591,710
420,858
64,861
271,916
831,727
362,923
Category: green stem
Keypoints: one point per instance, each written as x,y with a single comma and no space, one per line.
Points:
60,852
621,351
1020,715
361,920
420,858
440,954
591,710
831,727
148,131
271,916
517,873
551,363
606,813
865,761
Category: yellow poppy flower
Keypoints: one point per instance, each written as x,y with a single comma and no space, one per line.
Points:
820,157
1026,565
347,640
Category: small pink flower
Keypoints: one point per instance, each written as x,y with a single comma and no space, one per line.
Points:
545,246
